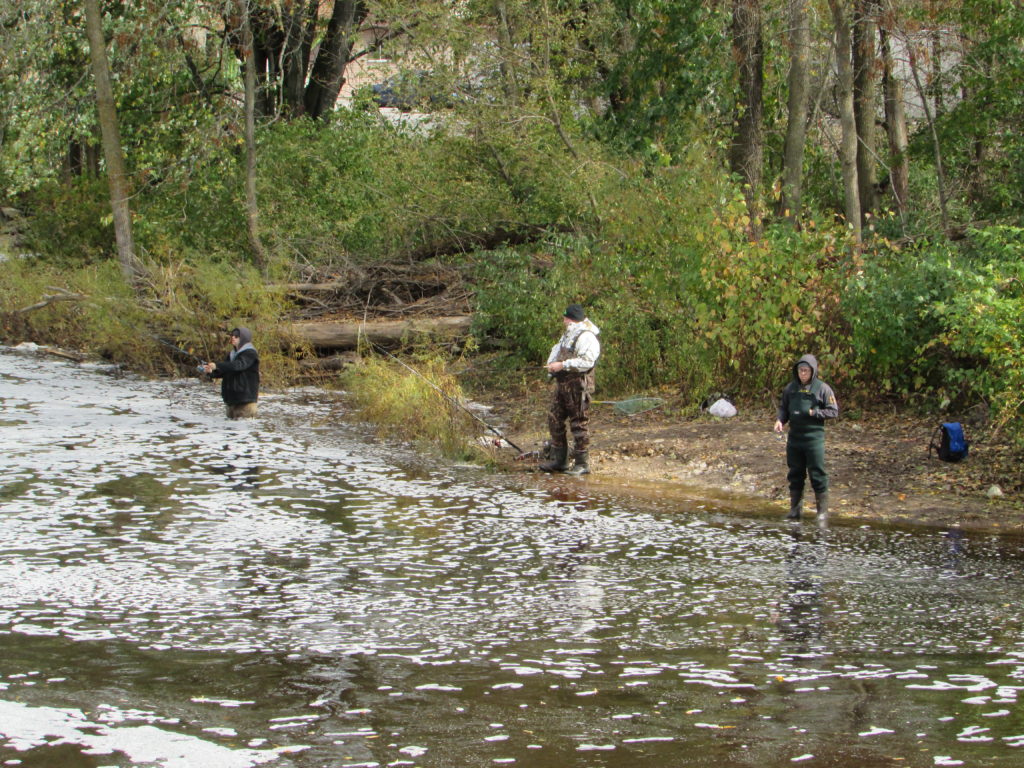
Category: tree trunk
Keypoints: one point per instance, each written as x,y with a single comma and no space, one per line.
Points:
506,54
937,78
747,153
895,127
252,215
976,159
865,103
329,68
265,42
848,141
940,174
796,128
300,26
120,189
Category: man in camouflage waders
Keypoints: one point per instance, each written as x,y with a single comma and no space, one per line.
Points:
571,363
807,403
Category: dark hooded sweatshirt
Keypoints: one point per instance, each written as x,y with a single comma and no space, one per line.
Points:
798,399
240,372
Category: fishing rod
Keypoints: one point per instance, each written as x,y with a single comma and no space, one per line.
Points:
448,397
180,351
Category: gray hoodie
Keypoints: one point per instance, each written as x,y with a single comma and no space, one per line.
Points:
799,400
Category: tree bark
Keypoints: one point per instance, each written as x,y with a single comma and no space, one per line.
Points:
865,103
113,154
895,128
385,333
265,43
940,174
747,152
300,26
797,104
252,215
848,141
328,73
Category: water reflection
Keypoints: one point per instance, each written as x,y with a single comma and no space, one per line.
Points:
802,619
284,584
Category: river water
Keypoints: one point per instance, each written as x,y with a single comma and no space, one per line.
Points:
180,590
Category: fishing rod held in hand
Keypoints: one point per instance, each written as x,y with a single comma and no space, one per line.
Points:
449,398
181,351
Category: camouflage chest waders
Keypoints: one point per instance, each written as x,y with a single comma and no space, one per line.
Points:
570,399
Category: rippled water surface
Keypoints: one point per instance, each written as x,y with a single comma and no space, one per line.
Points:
179,590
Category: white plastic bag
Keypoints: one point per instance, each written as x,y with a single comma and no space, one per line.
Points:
722,408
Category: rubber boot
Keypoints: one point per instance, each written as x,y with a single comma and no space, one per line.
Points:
580,466
796,503
821,504
558,461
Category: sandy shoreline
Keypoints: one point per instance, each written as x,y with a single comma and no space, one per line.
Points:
880,469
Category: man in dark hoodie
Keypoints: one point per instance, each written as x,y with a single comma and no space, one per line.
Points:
239,374
807,402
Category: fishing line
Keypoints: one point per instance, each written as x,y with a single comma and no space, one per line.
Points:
178,349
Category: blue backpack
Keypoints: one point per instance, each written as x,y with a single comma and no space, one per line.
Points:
949,442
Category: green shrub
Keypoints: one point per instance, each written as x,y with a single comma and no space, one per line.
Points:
889,304
683,297
457,185
318,187
940,322
981,323
763,304
70,223
93,311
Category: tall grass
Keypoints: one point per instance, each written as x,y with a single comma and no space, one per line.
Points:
415,404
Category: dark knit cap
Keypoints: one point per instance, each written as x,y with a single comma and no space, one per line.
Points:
575,312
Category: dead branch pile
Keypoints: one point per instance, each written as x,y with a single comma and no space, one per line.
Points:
381,291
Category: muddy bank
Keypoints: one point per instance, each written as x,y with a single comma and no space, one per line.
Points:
880,468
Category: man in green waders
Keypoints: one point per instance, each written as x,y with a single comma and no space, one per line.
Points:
807,402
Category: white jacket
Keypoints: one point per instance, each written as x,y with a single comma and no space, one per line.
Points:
578,349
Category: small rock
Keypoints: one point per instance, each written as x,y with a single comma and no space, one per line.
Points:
994,492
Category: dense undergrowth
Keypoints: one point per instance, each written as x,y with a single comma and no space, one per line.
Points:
660,254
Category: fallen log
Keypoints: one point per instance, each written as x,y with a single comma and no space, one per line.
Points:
385,333
50,298
332,363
